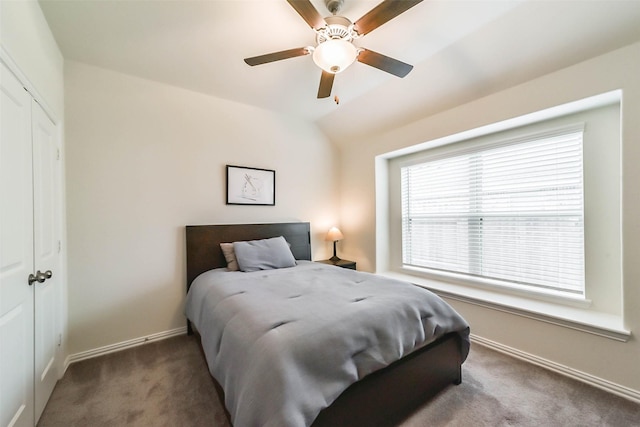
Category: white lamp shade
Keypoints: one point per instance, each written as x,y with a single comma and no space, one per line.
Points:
334,234
334,56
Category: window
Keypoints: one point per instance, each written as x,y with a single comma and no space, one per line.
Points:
457,215
510,213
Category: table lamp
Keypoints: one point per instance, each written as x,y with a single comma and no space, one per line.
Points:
334,235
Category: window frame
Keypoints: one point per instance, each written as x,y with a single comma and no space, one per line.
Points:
601,313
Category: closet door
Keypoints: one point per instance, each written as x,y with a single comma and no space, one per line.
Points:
46,226
16,254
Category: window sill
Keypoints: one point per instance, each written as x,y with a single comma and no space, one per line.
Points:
581,319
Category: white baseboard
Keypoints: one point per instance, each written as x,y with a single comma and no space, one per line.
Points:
83,355
617,389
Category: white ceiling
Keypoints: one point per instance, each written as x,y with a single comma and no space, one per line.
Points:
460,50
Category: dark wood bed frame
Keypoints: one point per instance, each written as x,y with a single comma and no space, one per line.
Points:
383,398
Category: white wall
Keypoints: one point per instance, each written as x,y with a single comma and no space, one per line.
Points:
25,35
595,357
145,159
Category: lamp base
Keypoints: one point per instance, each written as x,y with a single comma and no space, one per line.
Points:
334,258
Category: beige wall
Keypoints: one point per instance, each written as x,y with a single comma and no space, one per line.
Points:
145,159
26,37
595,357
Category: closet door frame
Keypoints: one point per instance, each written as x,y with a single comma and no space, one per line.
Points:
54,361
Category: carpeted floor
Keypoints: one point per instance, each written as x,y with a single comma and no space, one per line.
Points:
166,383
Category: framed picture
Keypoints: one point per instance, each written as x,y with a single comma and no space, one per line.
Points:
250,186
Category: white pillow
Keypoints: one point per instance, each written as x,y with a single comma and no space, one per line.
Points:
265,254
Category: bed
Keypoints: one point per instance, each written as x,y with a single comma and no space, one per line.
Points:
383,397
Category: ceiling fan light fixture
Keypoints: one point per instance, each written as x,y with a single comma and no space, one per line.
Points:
334,51
335,55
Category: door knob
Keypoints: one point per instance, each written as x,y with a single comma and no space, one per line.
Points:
40,277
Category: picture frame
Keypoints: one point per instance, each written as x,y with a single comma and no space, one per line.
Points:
251,186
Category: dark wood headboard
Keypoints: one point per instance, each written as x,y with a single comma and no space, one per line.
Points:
203,242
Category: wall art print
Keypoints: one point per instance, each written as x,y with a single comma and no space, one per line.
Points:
250,186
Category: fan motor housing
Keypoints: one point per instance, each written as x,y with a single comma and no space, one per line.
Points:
338,27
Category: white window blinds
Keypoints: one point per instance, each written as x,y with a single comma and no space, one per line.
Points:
512,213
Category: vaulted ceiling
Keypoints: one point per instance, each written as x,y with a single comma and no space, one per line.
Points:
460,49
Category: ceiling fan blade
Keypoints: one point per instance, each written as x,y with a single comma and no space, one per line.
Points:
277,56
308,13
326,84
384,63
384,12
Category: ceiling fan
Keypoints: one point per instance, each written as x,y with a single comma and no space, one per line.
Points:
334,50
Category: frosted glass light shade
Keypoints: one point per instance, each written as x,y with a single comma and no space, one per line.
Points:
334,234
335,56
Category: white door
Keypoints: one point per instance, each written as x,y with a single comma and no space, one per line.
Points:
16,254
46,228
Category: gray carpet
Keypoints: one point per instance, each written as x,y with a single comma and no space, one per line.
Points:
166,383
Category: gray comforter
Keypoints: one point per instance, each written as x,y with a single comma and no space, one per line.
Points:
284,344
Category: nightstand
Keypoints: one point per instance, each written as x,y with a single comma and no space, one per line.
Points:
344,263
